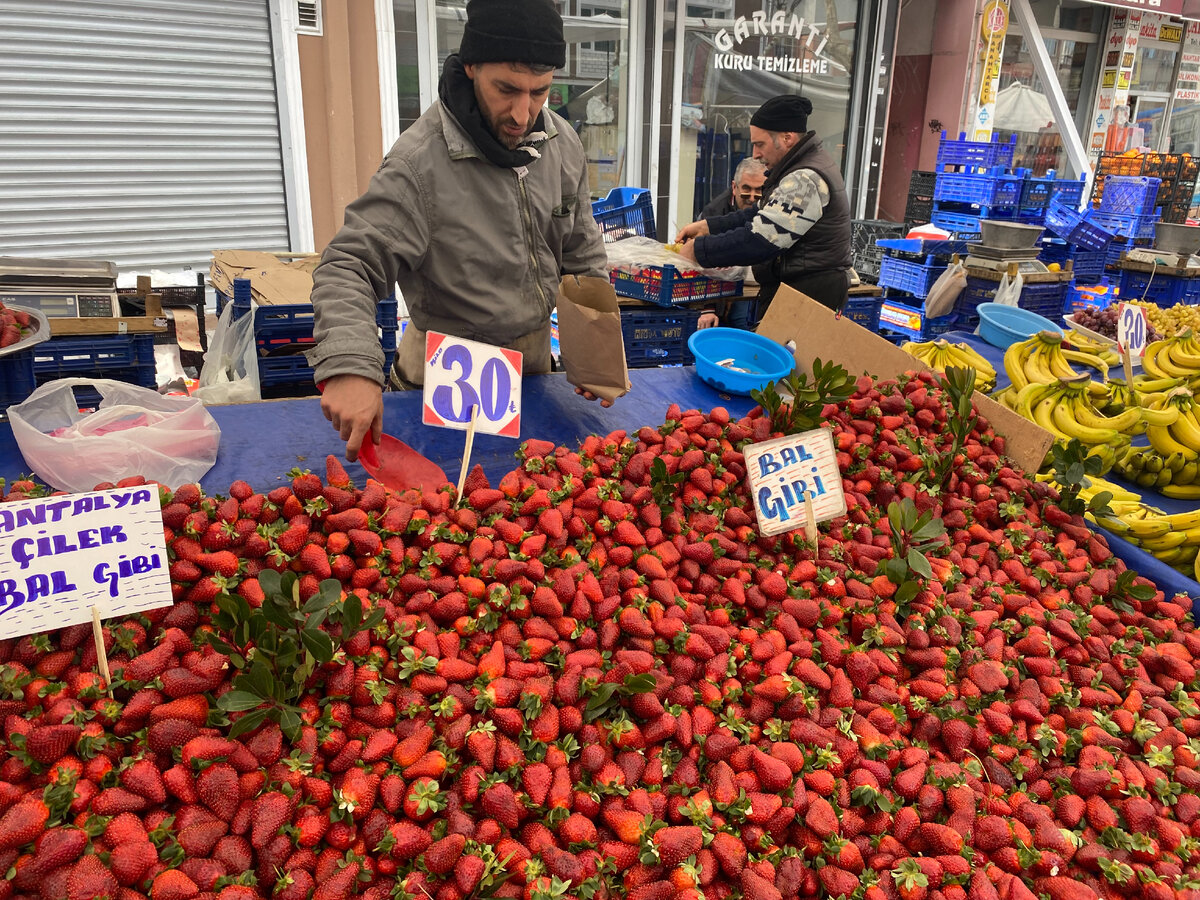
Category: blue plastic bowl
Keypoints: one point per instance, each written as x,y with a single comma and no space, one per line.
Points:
1002,325
721,352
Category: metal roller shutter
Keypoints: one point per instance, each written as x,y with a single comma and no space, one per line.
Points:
144,132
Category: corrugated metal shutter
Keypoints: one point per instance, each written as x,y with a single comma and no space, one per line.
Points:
144,132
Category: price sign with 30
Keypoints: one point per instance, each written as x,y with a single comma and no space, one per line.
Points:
1132,330
460,374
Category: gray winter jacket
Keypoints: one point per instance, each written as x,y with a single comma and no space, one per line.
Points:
477,250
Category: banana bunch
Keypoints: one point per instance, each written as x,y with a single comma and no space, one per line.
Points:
1171,464
940,355
1042,359
1174,357
1173,539
1068,408
1105,350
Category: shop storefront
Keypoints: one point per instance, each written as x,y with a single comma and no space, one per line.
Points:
662,97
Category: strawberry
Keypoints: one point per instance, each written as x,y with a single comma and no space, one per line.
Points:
270,812
674,844
500,803
132,860
217,788
442,856
730,853
468,872
56,848
408,841
143,778
47,743
23,822
90,879
315,561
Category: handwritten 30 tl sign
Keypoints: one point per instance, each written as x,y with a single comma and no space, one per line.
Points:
60,556
461,374
780,472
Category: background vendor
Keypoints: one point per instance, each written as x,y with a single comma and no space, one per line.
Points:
799,232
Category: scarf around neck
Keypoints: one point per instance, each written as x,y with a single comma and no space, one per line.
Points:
457,93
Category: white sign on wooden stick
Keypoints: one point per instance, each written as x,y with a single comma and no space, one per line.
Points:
61,556
783,471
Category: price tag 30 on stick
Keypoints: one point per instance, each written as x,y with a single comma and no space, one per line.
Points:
1132,330
461,374
783,472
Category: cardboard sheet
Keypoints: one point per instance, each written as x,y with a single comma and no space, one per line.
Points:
274,278
818,332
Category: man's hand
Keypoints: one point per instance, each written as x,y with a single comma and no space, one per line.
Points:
354,405
588,395
708,319
695,230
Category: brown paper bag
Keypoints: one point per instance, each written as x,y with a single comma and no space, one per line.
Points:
589,335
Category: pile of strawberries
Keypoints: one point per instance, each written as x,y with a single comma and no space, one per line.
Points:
15,325
596,680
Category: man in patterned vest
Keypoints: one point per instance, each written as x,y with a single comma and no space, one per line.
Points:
799,233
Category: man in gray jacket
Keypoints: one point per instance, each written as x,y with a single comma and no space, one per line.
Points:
477,212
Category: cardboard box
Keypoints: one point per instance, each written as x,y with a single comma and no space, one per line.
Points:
275,278
818,332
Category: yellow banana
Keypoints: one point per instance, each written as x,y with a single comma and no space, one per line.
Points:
1145,384
1159,418
1122,423
1157,361
1163,441
1028,397
1182,491
1065,422
1013,366
1056,362
1186,430
1181,355
1037,367
1090,360
1043,415
1147,529
1169,541
1188,473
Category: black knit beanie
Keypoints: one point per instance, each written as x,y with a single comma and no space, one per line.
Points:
520,31
787,112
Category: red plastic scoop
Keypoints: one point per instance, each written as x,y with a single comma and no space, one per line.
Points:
398,466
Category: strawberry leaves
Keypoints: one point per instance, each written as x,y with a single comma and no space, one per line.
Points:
279,646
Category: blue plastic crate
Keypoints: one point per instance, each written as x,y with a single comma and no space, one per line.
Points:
1045,299
1074,228
657,337
293,370
625,212
1100,295
909,319
299,316
964,225
992,190
17,379
974,154
1129,195
1086,265
864,311
667,286
1130,226
1036,193
907,275
1068,191
121,357
1161,290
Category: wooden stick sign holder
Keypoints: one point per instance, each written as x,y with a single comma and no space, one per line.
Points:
101,652
467,448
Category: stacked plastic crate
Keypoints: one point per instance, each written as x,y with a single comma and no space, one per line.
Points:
865,235
283,332
1128,210
908,271
1176,172
975,180
918,210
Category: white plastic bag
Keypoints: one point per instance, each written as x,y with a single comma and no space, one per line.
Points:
135,431
1009,291
635,252
230,373
945,291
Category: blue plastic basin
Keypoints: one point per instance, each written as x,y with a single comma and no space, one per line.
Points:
1002,325
721,352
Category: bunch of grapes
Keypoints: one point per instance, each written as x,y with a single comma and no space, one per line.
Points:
1104,321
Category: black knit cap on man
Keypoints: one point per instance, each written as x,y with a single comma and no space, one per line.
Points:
799,233
521,31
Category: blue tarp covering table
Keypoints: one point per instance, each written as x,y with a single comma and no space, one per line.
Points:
260,442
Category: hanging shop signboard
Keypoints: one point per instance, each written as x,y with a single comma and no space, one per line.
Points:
1166,7
809,41
993,28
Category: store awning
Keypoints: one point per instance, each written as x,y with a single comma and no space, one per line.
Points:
1188,9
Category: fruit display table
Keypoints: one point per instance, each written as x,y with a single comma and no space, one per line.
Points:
260,442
